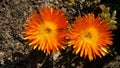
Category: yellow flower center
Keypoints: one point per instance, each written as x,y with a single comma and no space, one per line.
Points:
90,35
47,30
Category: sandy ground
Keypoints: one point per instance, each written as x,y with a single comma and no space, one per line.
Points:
15,52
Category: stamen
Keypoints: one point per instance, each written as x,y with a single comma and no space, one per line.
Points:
48,30
88,35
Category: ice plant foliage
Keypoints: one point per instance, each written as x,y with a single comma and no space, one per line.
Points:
46,30
90,36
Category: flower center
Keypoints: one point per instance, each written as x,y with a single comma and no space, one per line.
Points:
88,35
48,30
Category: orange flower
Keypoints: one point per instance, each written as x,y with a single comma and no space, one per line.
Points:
46,30
90,36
